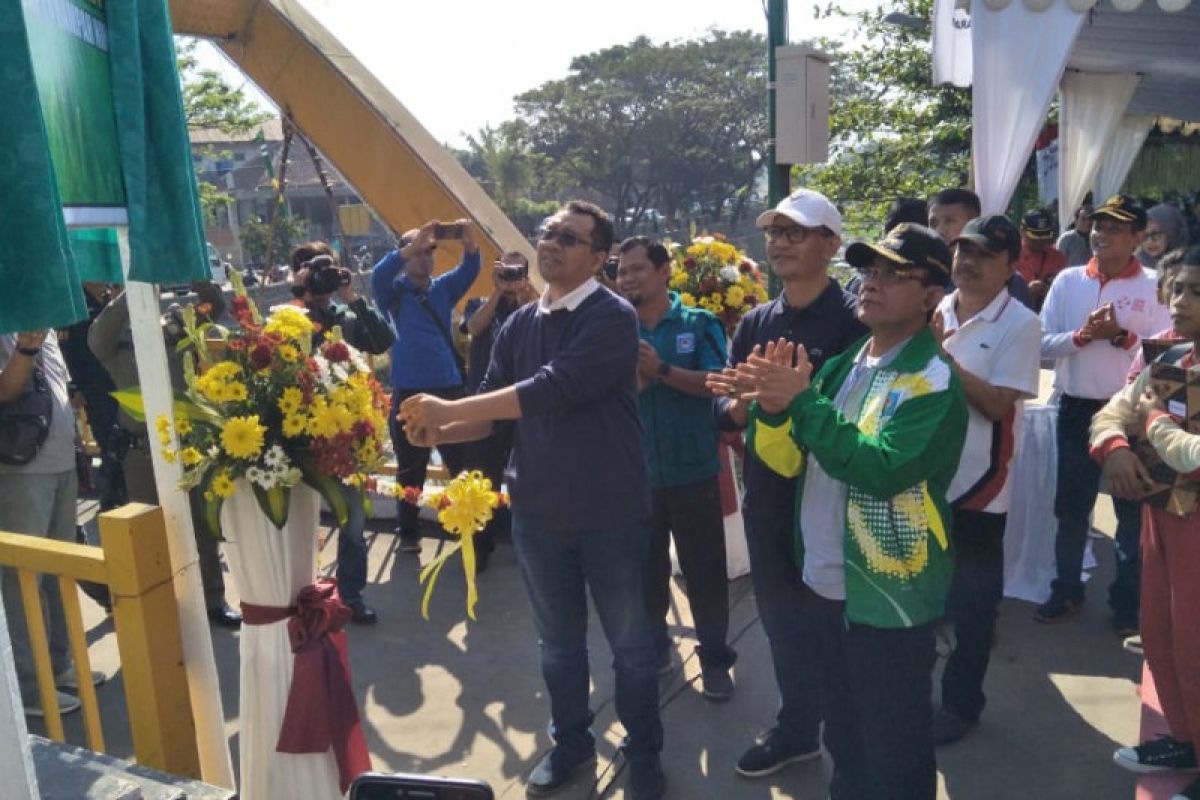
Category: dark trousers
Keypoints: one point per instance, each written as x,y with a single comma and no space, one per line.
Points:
560,568
875,697
971,607
490,457
1078,485
692,514
413,461
778,592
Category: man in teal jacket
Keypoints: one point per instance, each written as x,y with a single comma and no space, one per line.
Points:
875,439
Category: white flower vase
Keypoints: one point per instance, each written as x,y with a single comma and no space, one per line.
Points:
271,566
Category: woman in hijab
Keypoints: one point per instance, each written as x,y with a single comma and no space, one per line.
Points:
1166,230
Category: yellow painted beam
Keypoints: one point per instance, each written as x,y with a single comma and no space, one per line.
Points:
392,161
146,618
52,557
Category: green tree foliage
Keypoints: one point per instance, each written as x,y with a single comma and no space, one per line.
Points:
678,127
256,232
892,133
209,101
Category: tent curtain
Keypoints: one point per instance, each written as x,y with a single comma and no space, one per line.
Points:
1011,95
1091,108
41,287
1123,148
166,229
951,44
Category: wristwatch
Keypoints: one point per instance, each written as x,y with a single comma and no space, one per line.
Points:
664,369
32,352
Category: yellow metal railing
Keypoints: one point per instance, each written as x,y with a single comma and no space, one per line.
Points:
135,564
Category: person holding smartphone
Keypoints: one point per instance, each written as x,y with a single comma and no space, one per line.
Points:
424,360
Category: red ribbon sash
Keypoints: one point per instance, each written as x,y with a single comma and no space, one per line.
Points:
322,712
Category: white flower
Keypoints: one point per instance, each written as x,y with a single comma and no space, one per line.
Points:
259,478
730,274
275,457
288,308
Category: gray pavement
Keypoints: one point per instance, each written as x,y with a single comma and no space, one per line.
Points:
453,697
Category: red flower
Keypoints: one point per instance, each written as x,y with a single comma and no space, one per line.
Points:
260,356
412,495
745,267
241,303
689,263
751,300
336,352
443,503
363,429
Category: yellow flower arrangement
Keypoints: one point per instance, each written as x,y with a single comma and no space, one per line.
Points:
710,273
266,405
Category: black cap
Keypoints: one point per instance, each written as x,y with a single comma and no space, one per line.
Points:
995,233
1123,208
1038,224
907,244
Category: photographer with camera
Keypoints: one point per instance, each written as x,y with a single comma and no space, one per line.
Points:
317,278
482,320
424,360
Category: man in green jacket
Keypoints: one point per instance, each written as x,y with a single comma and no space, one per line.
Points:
875,439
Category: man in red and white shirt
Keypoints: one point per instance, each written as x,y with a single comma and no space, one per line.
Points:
1092,324
994,343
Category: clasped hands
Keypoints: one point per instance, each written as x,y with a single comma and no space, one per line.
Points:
1101,325
1124,472
423,417
772,375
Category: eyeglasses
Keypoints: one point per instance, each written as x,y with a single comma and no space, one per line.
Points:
562,238
793,233
1155,236
890,276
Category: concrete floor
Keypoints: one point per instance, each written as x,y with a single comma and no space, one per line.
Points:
451,697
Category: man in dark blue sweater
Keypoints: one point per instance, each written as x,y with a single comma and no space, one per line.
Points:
565,369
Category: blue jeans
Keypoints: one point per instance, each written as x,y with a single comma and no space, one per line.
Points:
559,567
1078,485
779,593
352,550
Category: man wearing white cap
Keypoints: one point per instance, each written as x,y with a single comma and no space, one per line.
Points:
803,233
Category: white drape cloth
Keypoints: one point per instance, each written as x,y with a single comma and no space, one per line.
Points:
1019,56
952,60
1031,528
270,567
1091,107
1118,157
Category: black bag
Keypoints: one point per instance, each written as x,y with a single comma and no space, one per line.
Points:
25,422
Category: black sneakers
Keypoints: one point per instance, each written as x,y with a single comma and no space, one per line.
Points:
1058,609
1163,754
772,751
949,727
717,684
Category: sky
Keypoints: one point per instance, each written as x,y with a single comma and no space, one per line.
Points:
457,66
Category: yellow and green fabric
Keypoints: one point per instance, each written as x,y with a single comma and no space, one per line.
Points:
897,457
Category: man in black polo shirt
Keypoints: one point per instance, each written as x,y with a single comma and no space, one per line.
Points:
565,369
803,233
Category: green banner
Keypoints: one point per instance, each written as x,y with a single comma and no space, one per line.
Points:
69,43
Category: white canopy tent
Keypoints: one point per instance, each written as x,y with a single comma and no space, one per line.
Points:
1129,61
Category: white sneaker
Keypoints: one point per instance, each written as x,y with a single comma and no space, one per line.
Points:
67,704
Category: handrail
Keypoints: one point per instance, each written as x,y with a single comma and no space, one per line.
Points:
134,562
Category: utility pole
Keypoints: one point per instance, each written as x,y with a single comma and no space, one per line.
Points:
778,175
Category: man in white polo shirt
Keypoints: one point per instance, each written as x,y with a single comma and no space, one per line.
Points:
1092,323
994,343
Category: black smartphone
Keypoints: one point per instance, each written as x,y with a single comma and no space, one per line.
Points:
377,786
443,230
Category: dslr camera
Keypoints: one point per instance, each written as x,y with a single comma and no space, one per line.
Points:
324,276
510,273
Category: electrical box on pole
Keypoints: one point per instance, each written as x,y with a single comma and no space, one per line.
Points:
801,105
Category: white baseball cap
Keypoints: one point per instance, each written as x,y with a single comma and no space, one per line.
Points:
804,207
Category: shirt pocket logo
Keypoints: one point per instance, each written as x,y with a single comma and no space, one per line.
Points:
685,343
